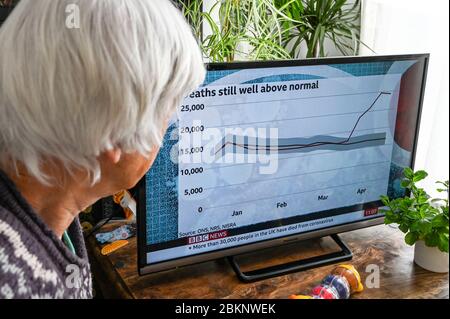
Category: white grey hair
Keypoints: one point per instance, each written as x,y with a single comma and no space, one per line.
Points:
69,94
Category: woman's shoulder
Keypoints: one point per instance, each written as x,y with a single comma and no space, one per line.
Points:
16,260
34,263
23,271
27,269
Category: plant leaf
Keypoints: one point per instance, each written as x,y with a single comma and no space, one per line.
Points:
419,175
443,243
411,238
403,227
432,239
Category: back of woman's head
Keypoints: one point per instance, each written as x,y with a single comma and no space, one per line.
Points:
78,77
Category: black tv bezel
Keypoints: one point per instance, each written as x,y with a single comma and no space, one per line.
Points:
146,268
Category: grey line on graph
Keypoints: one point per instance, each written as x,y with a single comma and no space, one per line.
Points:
299,145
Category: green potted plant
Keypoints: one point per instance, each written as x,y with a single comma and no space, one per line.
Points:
424,220
242,30
274,29
316,22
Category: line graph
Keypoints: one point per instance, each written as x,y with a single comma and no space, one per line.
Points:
287,154
289,145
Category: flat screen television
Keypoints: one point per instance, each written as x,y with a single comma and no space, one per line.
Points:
265,153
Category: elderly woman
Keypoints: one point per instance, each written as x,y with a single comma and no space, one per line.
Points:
84,104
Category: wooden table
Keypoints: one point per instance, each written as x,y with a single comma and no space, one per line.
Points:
382,246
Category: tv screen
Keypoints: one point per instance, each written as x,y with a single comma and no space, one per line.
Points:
265,152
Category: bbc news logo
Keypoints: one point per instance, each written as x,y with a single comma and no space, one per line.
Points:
207,237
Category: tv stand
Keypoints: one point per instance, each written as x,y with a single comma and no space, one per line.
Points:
299,265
